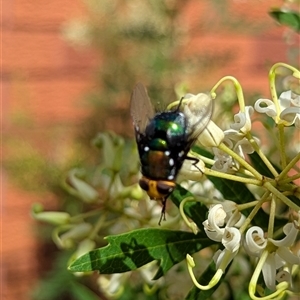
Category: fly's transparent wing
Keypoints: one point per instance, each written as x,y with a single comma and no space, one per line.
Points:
141,108
198,111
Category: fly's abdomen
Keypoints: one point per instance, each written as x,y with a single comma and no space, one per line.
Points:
158,165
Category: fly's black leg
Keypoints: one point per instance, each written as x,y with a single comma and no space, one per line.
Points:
196,160
163,211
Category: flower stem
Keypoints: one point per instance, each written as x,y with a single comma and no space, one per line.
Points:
279,195
281,287
214,173
288,167
191,225
261,154
246,165
216,278
254,211
238,89
272,217
282,145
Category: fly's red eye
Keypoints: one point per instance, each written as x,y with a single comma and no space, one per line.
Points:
164,188
144,184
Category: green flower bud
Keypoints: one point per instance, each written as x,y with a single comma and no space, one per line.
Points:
51,217
80,188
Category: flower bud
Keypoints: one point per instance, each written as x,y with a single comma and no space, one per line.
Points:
211,136
51,217
78,232
80,188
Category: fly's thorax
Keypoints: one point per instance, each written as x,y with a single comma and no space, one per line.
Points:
170,127
157,189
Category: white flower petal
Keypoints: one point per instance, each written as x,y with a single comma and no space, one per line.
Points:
255,241
291,232
243,147
285,99
290,114
211,136
288,256
283,276
214,235
233,135
242,120
216,216
269,272
270,109
296,101
231,239
219,255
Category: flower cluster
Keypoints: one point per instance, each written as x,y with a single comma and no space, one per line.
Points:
277,259
258,220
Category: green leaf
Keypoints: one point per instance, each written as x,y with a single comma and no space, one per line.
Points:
260,166
81,292
129,251
197,211
287,18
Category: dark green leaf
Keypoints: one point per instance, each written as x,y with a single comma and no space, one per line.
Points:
129,251
287,18
260,166
81,292
197,211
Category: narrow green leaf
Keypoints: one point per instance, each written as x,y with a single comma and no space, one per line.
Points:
81,292
129,251
287,18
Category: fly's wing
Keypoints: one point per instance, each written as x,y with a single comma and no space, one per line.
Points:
141,108
198,115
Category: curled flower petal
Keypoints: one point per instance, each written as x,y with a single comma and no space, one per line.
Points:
244,146
290,114
232,135
270,109
285,99
255,241
223,165
219,257
291,232
231,239
288,256
242,120
216,216
211,234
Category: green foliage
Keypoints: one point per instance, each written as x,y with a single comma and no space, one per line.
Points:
290,19
129,251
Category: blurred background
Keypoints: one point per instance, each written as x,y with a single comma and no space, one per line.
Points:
68,69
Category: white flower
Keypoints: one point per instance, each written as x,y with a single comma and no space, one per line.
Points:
280,255
223,162
288,105
216,230
242,120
